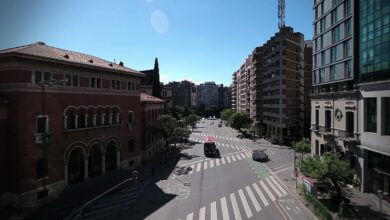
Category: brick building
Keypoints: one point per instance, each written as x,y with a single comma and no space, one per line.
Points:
152,139
54,135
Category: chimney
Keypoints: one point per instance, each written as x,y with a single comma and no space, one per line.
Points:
121,63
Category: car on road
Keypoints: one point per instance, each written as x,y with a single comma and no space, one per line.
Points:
210,149
259,155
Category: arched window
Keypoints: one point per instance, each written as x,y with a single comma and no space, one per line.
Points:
70,119
107,114
90,118
81,119
99,117
42,168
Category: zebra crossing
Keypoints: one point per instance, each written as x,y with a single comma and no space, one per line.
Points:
217,137
218,144
245,202
118,201
213,163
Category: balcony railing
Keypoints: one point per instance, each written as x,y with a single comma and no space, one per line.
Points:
348,135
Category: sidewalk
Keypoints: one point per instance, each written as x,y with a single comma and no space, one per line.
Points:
75,196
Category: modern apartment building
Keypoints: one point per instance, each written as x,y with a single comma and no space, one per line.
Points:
224,97
256,86
233,87
373,68
207,96
242,86
182,93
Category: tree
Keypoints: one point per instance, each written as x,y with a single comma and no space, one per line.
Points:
226,114
181,134
330,168
168,125
303,146
240,120
191,120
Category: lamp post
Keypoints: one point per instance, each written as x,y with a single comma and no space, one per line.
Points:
295,166
46,134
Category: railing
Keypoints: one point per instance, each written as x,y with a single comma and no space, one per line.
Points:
78,214
347,135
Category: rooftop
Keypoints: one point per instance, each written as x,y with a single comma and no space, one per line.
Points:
148,98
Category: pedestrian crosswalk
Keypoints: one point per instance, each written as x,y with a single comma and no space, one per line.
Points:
118,201
219,144
217,136
244,203
213,163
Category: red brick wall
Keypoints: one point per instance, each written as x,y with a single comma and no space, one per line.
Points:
84,81
12,76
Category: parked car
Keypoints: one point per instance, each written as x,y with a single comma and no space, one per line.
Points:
259,155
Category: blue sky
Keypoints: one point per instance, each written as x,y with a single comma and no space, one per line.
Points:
200,40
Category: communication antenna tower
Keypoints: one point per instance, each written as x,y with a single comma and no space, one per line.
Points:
281,13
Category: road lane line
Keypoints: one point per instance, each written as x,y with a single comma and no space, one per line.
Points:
249,155
261,195
228,159
223,145
223,160
236,211
238,157
272,197
253,198
198,167
217,162
205,165
225,212
247,209
237,147
213,209
273,187
190,216
243,155
202,213
278,185
192,169
233,157
211,163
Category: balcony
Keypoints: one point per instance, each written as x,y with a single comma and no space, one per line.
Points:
348,136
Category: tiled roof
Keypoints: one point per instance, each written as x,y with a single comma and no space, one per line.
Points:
148,98
43,51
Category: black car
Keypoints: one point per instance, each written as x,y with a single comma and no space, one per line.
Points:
259,155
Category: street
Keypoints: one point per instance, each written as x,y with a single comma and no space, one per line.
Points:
230,187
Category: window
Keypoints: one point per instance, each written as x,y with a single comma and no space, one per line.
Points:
386,115
131,147
334,18
41,76
95,82
370,114
347,49
328,120
336,34
348,27
323,58
42,123
333,54
332,72
115,84
347,8
322,25
42,168
131,86
72,80
348,69
131,118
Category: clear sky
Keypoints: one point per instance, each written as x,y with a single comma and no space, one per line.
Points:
199,40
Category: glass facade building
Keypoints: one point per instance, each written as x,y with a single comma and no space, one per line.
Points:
374,40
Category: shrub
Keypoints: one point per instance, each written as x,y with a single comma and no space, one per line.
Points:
319,209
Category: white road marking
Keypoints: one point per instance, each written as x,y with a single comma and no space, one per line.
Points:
225,212
211,163
273,187
247,209
228,159
238,157
213,210
253,198
243,155
217,162
267,191
192,169
278,185
205,165
223,160
223,145
249,155
238,148
261,195
198,167
236,211
202,213
190,216
233,157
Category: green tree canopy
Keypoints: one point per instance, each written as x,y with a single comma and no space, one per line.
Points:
240,120
226,114
191,120
303,147
329,168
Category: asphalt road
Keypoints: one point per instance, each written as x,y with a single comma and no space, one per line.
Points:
232,186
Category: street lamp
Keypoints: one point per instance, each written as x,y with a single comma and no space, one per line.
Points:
295,166
46,134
